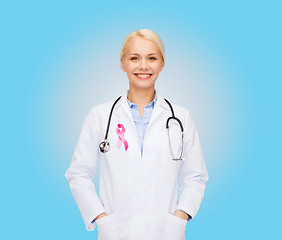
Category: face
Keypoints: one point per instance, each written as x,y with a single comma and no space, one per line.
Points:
142,63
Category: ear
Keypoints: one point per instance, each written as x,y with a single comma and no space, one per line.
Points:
162,66
122,65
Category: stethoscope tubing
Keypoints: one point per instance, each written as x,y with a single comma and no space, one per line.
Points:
106,142
110,117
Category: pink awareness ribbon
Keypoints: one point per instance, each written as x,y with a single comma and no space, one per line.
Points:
120,130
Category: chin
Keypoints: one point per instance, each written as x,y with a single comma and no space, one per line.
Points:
142,86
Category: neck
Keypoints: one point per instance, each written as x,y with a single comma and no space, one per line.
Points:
141,97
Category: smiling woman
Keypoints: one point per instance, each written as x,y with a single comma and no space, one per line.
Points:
142,60
145,192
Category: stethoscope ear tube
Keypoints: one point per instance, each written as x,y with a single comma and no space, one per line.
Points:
167,129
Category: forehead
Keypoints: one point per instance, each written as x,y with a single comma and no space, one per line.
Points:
142,46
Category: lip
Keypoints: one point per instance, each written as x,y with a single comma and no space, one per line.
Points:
143,75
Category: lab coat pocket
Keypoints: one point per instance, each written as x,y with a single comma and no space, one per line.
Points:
175,228
107,229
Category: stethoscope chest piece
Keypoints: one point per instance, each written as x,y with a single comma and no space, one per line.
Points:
104,146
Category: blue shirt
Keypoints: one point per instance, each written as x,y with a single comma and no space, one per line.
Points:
141,123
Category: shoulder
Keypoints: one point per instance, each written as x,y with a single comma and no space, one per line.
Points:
180,108
180,111
185,116
102,106
98,112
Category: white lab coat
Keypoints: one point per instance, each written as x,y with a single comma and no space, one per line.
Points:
139,193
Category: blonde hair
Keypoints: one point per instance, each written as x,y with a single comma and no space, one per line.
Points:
144,34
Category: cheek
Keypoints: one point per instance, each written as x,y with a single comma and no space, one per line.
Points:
157,67
129,67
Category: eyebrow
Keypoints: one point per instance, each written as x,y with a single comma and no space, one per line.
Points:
148,54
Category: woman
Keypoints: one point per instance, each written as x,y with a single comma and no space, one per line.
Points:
140,196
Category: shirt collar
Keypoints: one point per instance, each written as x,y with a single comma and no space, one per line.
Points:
151,104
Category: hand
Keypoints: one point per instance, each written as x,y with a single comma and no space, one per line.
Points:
101,215
181,214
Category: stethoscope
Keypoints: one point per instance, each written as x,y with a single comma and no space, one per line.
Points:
105,145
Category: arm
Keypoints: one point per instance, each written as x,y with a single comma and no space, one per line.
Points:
81,172
193,173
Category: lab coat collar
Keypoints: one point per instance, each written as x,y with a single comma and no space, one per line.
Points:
150,105
160,100
159,108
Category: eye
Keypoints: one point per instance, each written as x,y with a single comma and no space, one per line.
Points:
152,58
133,58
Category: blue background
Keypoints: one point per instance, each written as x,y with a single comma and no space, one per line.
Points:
223,62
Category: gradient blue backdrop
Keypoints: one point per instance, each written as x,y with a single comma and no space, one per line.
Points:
60,58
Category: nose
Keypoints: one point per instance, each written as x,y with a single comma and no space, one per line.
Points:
143,64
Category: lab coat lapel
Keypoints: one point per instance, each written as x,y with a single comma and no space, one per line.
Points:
159,108
125,106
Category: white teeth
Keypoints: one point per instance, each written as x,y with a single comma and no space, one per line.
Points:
143,75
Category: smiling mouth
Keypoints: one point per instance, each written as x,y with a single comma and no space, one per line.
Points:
143,75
